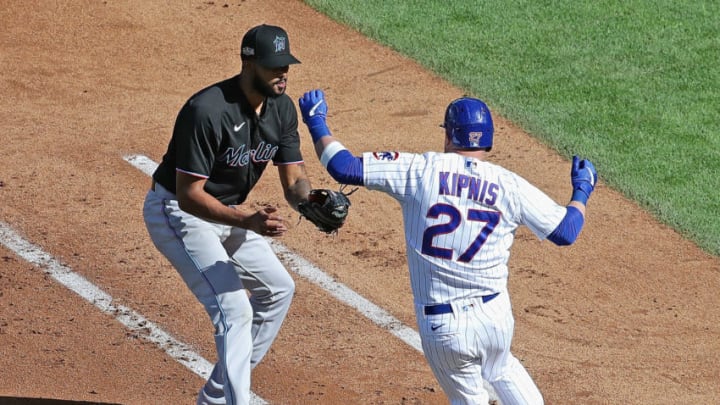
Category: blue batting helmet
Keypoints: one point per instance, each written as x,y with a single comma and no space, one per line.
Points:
468,124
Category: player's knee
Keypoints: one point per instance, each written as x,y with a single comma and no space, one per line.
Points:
232,310
289,287
283,288
277,294
284,294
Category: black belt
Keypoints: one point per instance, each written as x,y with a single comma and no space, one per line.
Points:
447,308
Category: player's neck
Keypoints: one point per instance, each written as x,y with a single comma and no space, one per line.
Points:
472,153
254,98
476,154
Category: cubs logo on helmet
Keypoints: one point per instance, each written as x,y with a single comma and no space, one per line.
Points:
474,137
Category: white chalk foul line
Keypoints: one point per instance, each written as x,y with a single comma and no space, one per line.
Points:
85,289
132,320
338,290
344,294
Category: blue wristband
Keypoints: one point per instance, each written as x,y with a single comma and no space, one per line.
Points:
580,195
317,127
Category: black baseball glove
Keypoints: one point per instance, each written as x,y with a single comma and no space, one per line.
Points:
326,209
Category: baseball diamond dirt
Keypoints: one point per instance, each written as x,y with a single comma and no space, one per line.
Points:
627,315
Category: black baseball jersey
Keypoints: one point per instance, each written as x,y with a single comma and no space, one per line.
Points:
218,136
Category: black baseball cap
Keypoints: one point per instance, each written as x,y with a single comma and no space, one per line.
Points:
268,45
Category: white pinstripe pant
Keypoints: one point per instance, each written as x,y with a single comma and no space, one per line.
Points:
472,343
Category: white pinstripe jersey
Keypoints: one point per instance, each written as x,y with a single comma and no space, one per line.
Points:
460,215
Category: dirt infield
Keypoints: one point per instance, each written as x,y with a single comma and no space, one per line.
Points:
628,315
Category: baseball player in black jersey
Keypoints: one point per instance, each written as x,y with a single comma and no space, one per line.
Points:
224,137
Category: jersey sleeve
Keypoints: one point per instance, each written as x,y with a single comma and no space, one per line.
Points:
391,172
536,210
289,147
197,139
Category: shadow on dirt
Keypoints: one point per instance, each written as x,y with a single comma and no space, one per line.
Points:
47,401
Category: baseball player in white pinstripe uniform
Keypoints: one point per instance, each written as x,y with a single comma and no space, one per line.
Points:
460,214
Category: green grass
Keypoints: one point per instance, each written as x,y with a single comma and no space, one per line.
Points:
633,85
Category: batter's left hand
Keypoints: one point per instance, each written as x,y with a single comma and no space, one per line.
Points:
314,112
583,177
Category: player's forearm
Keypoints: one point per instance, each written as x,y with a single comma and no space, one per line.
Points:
322,143
295,182
297,192
583,177
340,163
207,207
569,228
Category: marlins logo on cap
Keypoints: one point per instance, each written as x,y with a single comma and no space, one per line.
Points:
268,46
279,44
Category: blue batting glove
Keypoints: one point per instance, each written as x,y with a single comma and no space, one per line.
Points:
314,111
583,177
